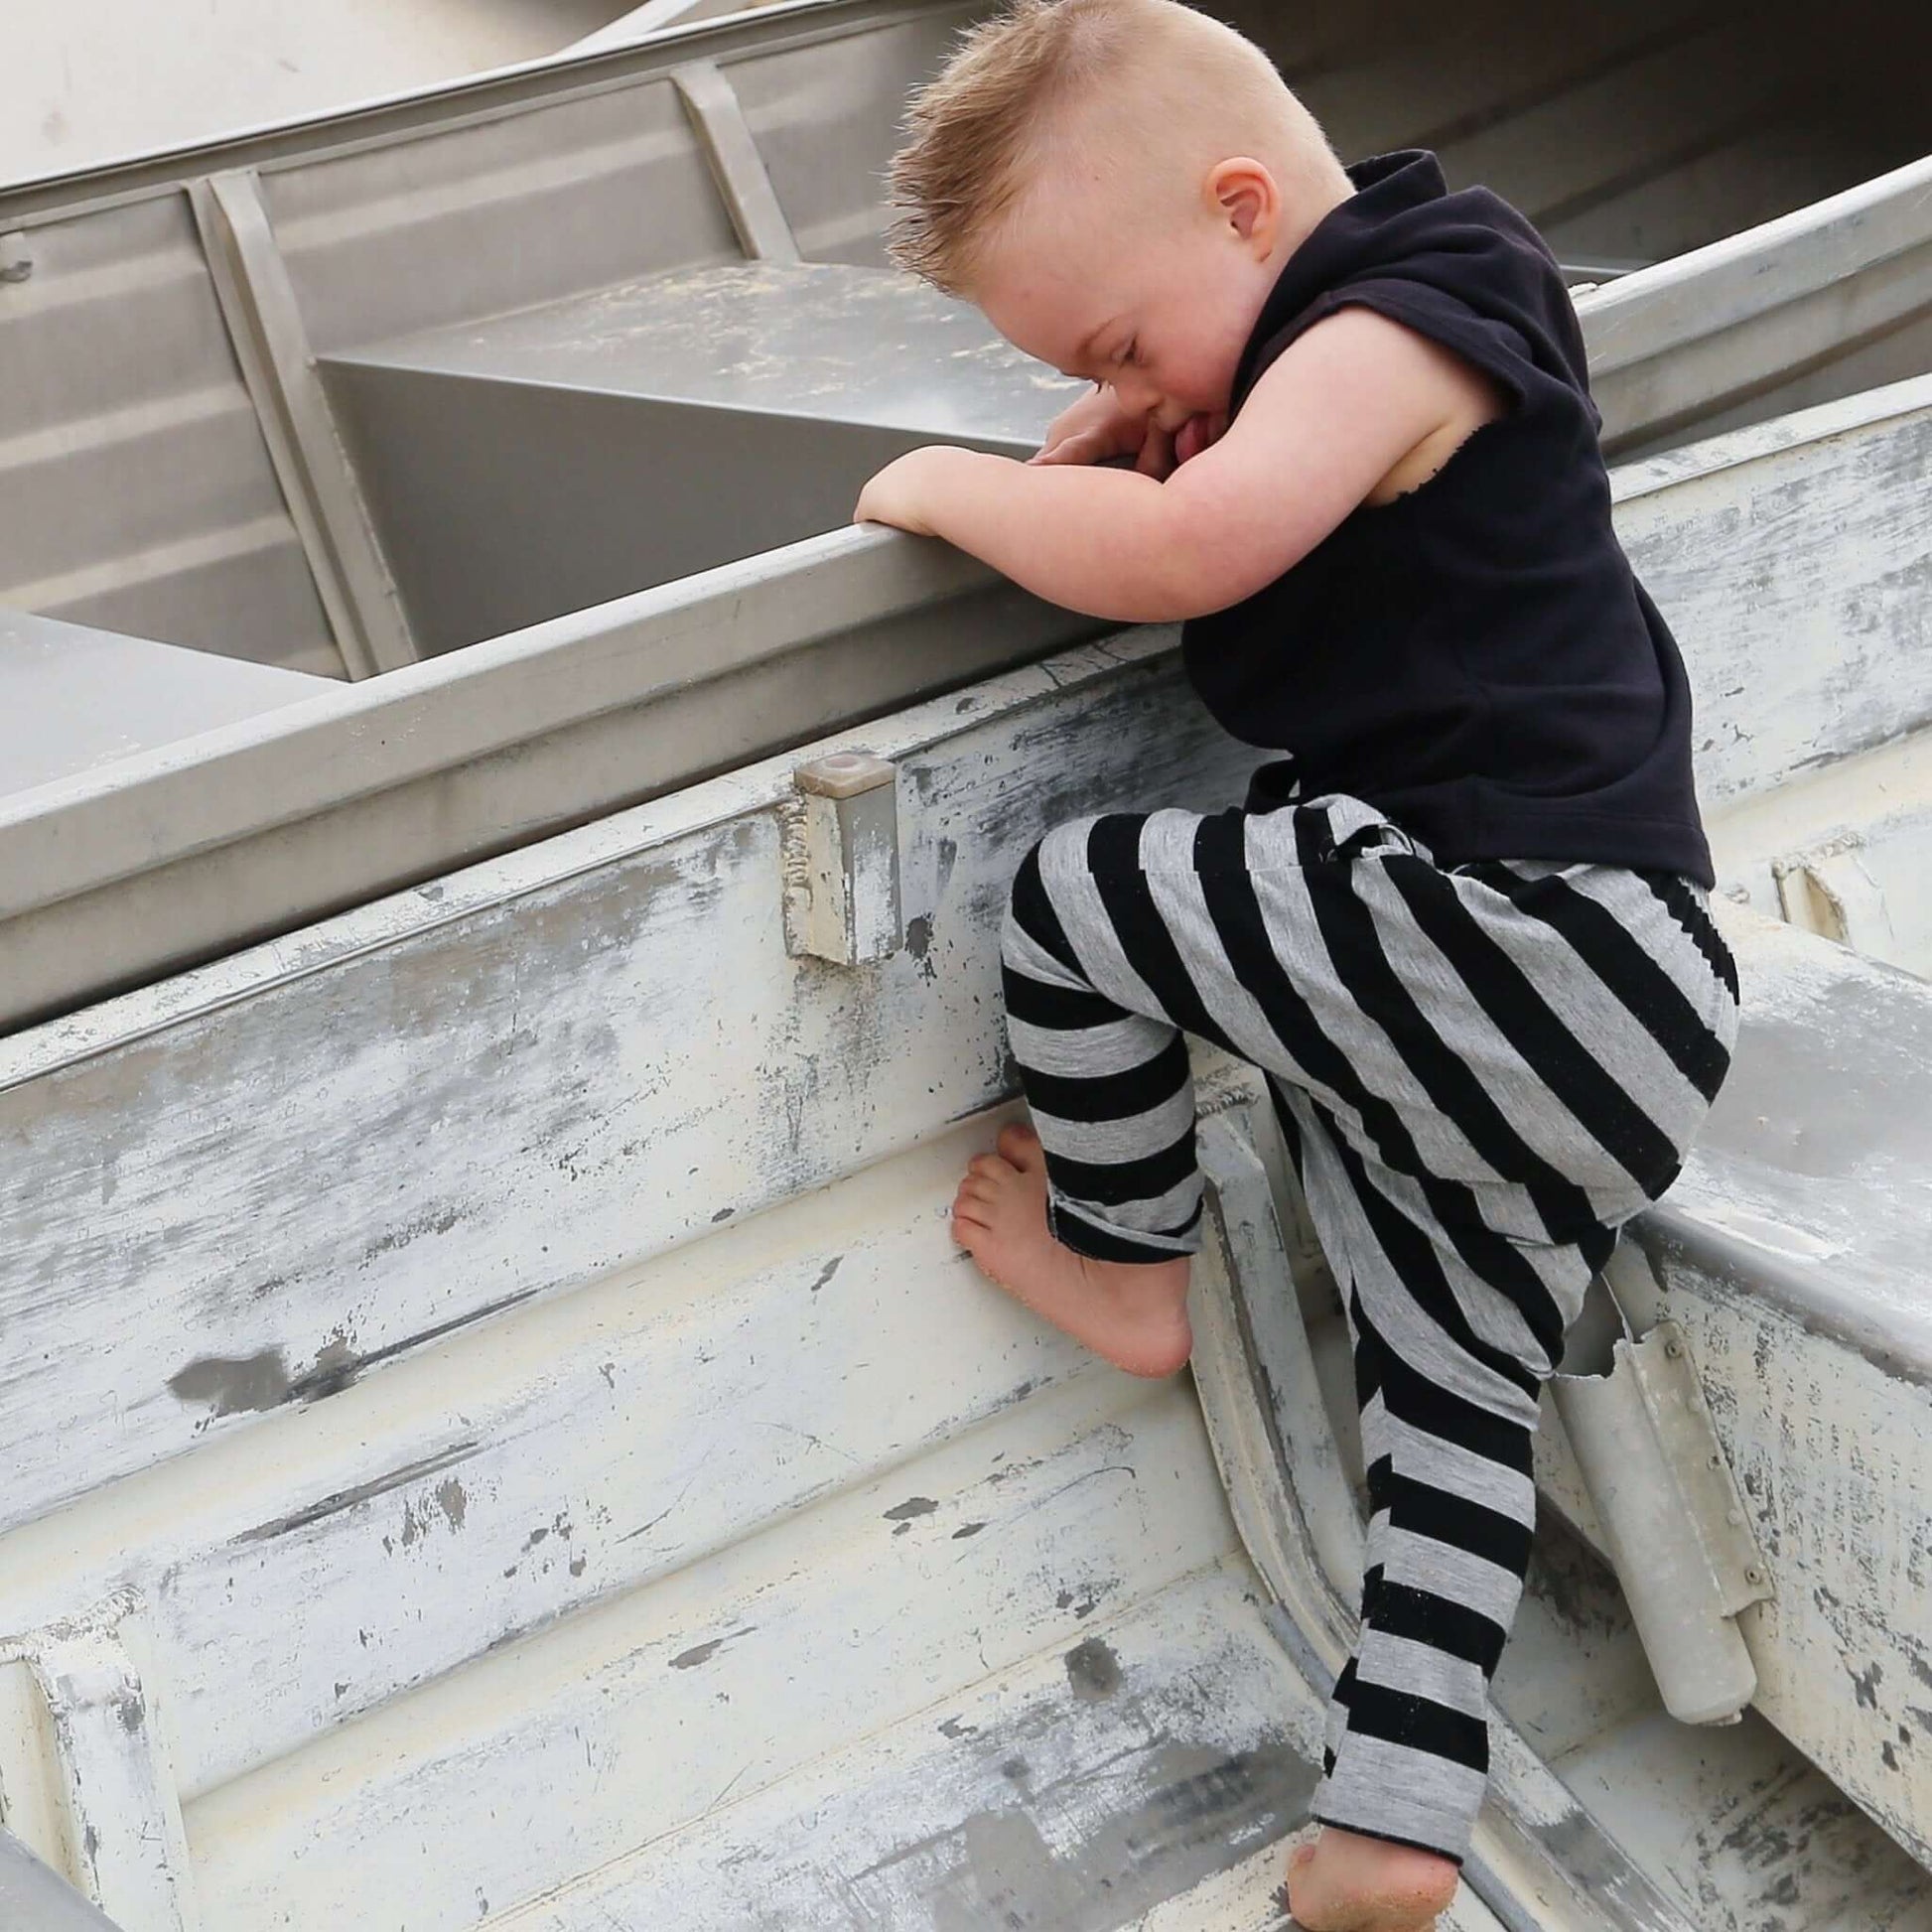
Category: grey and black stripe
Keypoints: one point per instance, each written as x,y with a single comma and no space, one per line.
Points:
1482,1072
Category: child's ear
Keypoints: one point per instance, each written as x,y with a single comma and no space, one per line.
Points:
1244,194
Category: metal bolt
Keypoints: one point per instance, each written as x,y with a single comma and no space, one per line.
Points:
842,774
1695,1404
1754,1575
1673,1348
1735,1515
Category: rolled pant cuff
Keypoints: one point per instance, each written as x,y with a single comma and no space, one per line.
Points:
1072,1228
1376,1788
1452,1844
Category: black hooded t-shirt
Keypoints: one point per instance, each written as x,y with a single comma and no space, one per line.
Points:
1475,660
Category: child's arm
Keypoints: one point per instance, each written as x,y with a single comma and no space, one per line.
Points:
1340,410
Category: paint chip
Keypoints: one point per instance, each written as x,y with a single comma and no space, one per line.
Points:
1093,1671
231,1385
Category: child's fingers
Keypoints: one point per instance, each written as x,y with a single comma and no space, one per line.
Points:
1155,459
1085,446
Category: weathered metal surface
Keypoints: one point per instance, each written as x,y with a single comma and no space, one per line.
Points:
1792,559
1805,603
647,1377
1793,1252
841,861
1806,595
169,859
824,1627
529,1085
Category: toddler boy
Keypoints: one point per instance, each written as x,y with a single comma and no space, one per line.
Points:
1462,924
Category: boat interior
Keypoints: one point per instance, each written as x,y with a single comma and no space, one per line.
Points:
358,393
452,397
498,1434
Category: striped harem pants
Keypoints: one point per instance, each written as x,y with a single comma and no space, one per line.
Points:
1480,1071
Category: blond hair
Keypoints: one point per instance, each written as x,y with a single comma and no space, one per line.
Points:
1170,79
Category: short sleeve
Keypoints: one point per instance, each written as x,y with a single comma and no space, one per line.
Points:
1484,341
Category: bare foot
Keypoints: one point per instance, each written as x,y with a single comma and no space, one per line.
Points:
1347,1882
1133,1314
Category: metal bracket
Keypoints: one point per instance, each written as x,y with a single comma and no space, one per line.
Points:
1672,1518
86,1786
842,876
710,103
1830,891
1266,1420
324,501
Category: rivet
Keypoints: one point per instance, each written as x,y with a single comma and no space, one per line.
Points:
1717,1462
1673,1349
1754,1575
1695,1404
1735,1515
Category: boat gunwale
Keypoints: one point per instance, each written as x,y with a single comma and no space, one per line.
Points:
470,100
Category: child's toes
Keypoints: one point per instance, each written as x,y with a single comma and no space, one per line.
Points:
1021,1147
988,1166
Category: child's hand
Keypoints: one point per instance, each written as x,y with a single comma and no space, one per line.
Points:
1096,429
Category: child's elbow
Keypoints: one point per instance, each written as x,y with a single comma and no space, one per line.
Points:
1197,587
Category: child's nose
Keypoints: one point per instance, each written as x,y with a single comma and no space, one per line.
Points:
1135,392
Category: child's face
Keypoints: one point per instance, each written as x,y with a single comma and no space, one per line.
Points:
1154,296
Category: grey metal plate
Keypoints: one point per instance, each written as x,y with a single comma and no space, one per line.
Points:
818,340
34,1899
561,457
72,698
